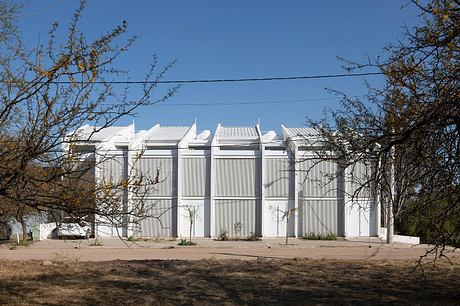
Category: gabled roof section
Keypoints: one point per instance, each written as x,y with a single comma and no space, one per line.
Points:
169,133
203,138
97,134
163,135
299,132
239,132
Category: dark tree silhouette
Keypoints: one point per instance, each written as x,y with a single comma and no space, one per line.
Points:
46,94
411,124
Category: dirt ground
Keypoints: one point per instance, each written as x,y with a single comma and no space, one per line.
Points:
357,271
115,249
228,282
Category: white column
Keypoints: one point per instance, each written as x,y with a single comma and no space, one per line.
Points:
212,181
130,194
297,207
375,212
391,198
262,190
178,189
96,182
346,201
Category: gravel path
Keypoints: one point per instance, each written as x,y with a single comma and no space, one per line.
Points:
116,249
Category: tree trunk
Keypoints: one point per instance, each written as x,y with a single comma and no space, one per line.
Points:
287,228
24,229
191,226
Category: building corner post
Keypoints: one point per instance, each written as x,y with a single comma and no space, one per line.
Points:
391,198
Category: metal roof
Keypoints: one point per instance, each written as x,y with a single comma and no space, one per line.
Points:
100,135
302,132
177,133
238,132
169,133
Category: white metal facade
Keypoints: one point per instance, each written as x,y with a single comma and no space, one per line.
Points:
238,180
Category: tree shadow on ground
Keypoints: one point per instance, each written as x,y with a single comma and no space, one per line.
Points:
262,281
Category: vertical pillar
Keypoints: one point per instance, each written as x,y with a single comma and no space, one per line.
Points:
346,200
391,198
375,212
178,182
297,207
262,190
212,181
96,182
125,177
131,175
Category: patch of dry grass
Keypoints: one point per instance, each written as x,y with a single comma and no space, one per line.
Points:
230,281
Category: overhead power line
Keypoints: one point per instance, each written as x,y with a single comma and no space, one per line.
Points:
303,77
247,102
300,100
288,78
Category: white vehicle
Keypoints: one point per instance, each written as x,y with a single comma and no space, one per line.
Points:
69,228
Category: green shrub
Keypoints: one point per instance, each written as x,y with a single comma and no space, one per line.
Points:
252,237
185,242
237,228
136,239
96,242
132,239
25,243
427,220
314,236
223,235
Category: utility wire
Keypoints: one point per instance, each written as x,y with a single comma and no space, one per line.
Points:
246,103
289,78
241,103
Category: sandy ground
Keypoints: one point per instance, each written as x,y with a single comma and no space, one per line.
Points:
116,249
229,282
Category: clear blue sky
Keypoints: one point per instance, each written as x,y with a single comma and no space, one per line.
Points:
239,39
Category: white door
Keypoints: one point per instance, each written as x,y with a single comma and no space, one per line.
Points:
196,207
358,219
274,225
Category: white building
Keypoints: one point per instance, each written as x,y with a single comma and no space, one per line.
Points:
238,180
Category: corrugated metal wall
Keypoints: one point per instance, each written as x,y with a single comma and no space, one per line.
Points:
360,174
239,177
318,181
228,212
161,226
319,216
277,177
237,188
148,167
195,178
111,169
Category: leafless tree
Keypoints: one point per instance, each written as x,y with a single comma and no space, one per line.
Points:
46,94
191,213
287,214
411,124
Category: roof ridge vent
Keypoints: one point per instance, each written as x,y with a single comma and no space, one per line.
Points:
204,135
270,135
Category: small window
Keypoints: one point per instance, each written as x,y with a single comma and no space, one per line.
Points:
240,148
199,148
161,147
275,149
84,149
